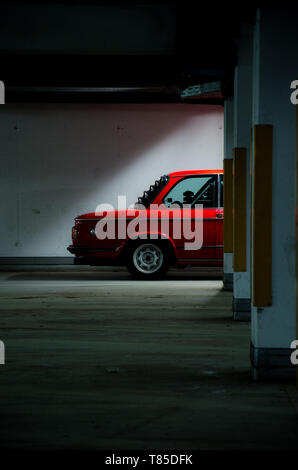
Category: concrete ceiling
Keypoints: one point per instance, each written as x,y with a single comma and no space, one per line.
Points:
90,51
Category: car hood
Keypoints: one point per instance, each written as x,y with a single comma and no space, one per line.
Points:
132,213
127,213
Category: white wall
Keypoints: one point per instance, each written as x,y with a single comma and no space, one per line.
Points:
61,160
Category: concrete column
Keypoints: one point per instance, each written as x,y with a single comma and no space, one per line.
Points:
296,233
228,216
273,267
242,144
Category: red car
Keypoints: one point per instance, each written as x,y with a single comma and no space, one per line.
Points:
177,222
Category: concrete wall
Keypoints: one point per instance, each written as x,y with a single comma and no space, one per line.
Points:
61,160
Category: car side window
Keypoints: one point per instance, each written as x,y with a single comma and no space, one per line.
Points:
193,190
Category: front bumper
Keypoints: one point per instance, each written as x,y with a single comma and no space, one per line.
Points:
87,250
94,256
81,250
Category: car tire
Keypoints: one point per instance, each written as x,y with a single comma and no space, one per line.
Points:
148,260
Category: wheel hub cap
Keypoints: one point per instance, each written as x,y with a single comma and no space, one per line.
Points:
148,258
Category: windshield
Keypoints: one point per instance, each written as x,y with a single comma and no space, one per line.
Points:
149,195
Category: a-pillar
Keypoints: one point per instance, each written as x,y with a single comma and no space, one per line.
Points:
273,223
241,176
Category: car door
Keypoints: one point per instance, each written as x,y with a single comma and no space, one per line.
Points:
197,190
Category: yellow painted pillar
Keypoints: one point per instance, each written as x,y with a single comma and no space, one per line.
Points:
239,209
262,216
228,206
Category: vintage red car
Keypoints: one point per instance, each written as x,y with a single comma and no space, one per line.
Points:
147,238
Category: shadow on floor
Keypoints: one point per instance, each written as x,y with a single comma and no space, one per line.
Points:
101,274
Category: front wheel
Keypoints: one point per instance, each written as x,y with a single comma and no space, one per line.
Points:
148,261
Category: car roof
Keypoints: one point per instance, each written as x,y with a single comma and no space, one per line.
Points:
195,172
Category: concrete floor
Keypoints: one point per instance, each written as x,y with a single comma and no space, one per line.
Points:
95,360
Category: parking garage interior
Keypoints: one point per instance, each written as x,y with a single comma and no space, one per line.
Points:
101,99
